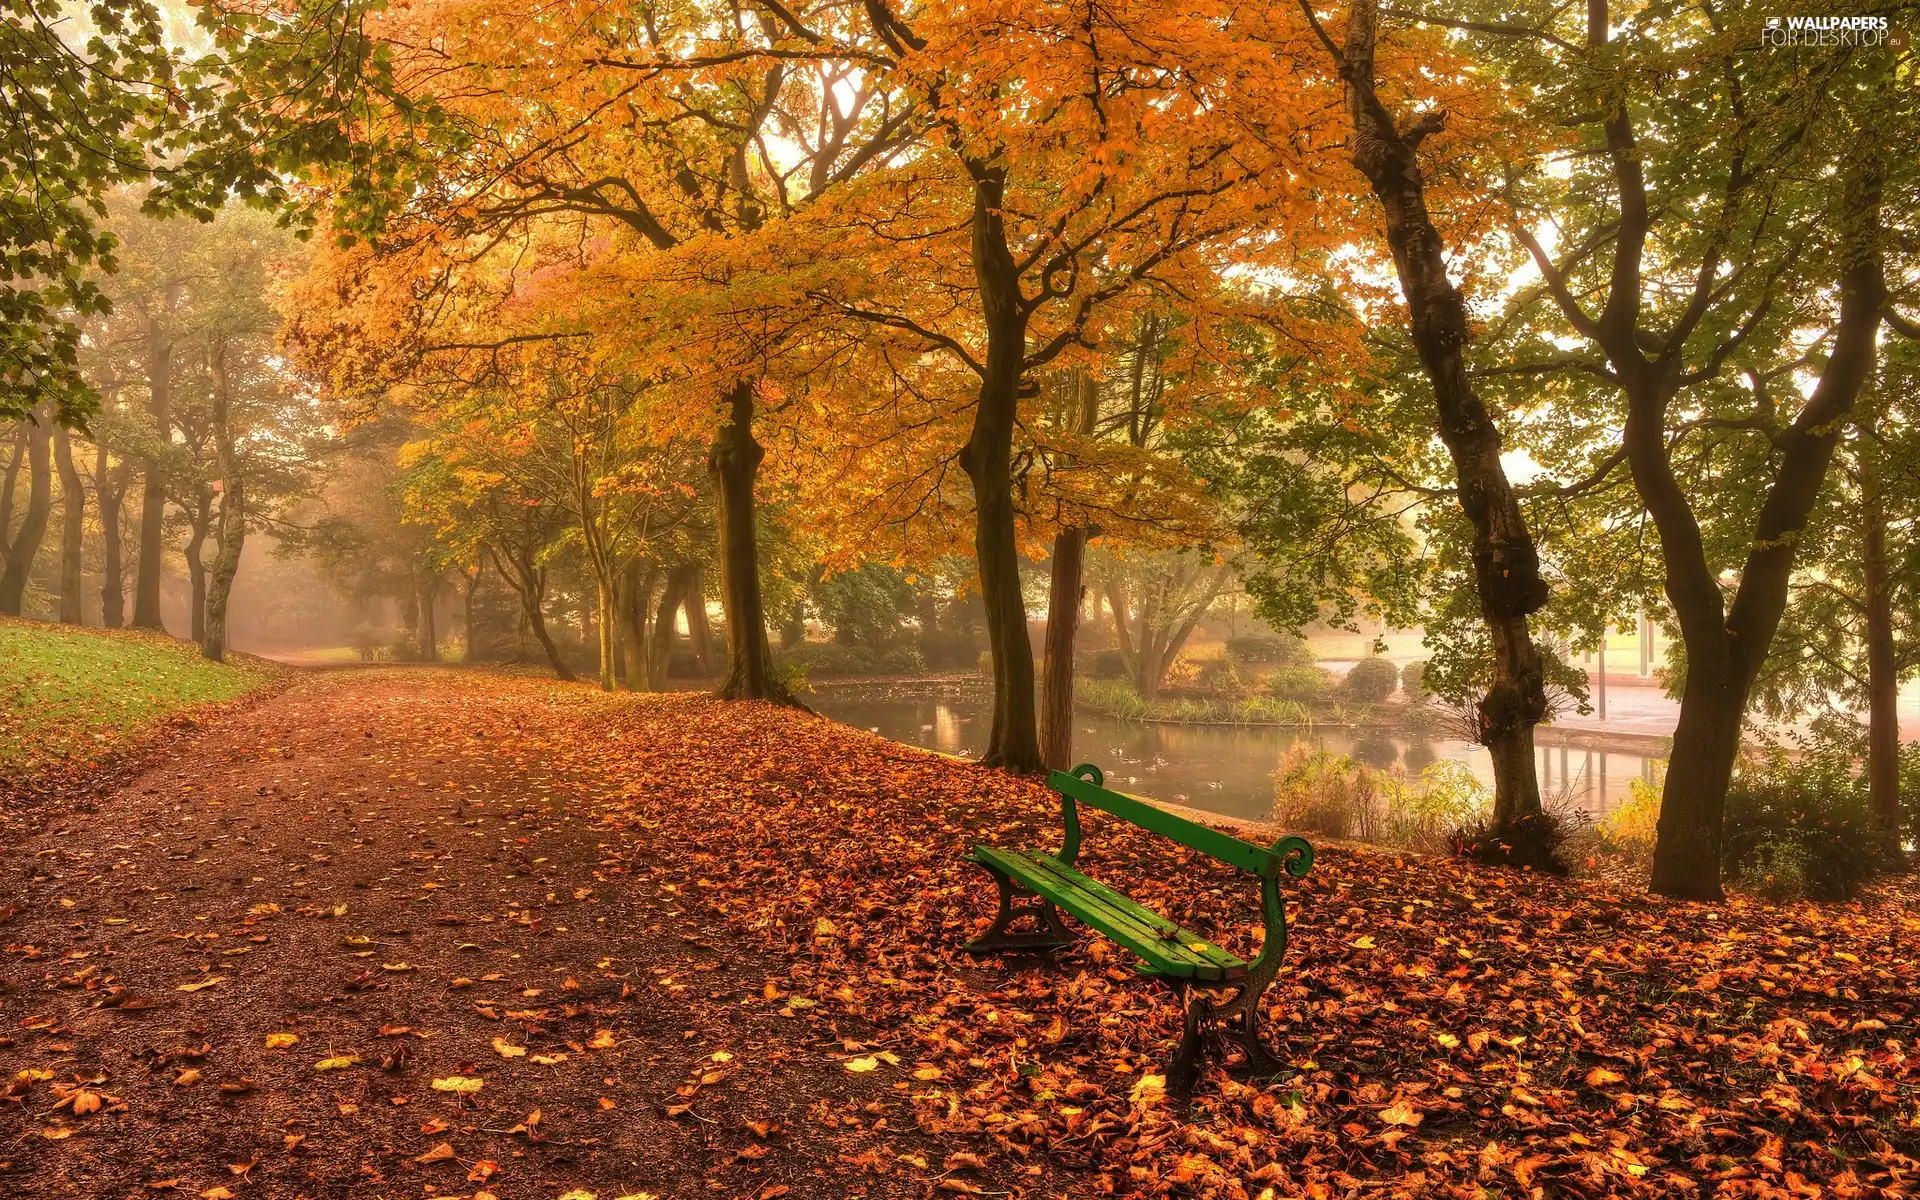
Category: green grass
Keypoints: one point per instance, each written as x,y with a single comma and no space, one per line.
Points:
74,695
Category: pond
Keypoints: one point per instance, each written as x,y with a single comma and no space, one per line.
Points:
1221,768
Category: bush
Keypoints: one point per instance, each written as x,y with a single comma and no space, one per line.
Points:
1221,676
1302,685
1801,826
1264,648
1371,681
1533,842
1100,664
1413,681
1333,795
826,659
901,660
1630,827
1115,697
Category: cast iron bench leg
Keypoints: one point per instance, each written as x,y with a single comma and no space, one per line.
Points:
1050,935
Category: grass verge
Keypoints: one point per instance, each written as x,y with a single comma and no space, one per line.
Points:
70,696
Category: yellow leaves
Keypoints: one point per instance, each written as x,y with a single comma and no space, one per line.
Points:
506,1049
603,1040
1601,1077
280,1041
861,1065
338,1062
1149,1089
1447,1041
1364,942
439,1153
459,1085
202,985
1400,1113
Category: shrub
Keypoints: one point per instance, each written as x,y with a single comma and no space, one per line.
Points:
826,659
1370,681
1114,697
1221,676
901,660
1413,680
1425,816
1631,826
1101,664
1801,826
1302,685
1326,793
1264,648
1532,842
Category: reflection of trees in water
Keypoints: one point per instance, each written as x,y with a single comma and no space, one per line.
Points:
1420,756
1376,749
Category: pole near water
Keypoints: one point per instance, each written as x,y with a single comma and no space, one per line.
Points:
1603,674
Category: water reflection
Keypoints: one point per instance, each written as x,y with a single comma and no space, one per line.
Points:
1222,769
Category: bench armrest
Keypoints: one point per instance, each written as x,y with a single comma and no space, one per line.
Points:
1070,813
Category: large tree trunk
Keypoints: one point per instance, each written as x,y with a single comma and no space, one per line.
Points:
153,495
987,458
196,569
232,531
73,526
734,462
1883,677
33,522
1727,645
607,629
110,491
1506,565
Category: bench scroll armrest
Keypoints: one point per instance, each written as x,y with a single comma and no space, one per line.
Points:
1070,813
1296,856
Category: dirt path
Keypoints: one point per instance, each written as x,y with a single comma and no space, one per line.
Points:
381,865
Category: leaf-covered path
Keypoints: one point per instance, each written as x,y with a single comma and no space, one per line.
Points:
413,933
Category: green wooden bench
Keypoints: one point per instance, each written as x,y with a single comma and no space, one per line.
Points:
1035,886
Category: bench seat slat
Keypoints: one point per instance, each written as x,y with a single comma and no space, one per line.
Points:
1166,948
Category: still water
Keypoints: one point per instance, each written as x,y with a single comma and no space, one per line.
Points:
1221,768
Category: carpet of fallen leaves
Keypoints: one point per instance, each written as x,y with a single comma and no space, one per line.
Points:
439,934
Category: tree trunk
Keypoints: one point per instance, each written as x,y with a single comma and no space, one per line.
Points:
232,530
665,620
1065,591
530,584
636,599
1506,565
987,458
110,491
606,626
699,629
33,523
1063,620
16,455
196,570
734,462
426,638
153,495
1883,676
1727,645
73,526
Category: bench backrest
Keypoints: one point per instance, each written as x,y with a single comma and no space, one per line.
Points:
1083,785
